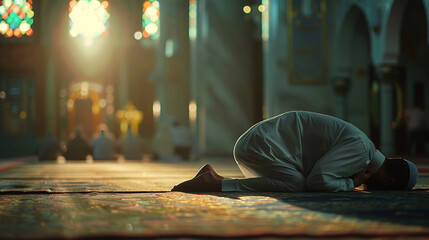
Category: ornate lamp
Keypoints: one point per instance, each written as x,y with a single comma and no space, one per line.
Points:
129,116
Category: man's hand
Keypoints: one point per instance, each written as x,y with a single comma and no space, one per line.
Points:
361,177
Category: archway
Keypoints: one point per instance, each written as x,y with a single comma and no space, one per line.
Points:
414,85
83,109
353,66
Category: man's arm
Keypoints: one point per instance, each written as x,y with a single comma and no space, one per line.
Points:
264,184
324,183
335,170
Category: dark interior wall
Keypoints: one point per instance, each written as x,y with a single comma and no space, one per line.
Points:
26,56
27,60
23,59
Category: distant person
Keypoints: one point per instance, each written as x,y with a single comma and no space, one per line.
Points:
131,146
77,147
417,121
48,148
103,147
181,138
163,145
303,151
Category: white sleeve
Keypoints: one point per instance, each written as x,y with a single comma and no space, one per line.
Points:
326,183
260,184
333,172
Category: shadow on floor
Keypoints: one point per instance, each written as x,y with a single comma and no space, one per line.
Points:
400,207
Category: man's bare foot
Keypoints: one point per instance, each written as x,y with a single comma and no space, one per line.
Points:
205,182
207,168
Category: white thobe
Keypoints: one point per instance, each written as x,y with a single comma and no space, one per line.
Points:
302,151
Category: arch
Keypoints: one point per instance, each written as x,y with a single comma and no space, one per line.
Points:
353,58
393,31
393,28
91,92
412,83
345,34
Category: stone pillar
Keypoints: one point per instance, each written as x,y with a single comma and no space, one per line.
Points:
51,94
172,70
387,75
123,83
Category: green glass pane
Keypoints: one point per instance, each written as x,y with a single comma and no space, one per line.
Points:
20,3
9,19
29,21
147,21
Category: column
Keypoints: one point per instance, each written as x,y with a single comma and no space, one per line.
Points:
123,83
50,94
387,137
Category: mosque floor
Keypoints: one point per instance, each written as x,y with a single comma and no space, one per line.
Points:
131,199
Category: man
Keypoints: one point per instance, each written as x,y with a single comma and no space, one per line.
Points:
48,148
304,151
132,145
103,147
77,147
181,139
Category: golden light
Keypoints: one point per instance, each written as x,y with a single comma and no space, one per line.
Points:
70,104
102,103
84,89
192,111
247,9
23,114
88,42
156,109
88,19
95,109
129,116
261,8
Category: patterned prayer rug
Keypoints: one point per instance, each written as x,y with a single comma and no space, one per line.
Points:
131,200
326,215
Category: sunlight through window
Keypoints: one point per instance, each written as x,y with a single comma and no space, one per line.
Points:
89,19
150,19
16,18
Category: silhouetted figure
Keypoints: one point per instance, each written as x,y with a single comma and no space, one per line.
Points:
77,148
163,145
102,147
132,146
181,140
48,147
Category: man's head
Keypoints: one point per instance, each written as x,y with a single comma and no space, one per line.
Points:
394,174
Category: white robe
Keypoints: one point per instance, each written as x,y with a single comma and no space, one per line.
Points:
302,151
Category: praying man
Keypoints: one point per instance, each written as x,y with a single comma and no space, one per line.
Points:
302,151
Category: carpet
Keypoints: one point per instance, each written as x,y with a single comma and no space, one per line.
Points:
47,200
233,215
107,176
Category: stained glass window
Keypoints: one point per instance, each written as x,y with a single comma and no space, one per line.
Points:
88,18
150,19
16,18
